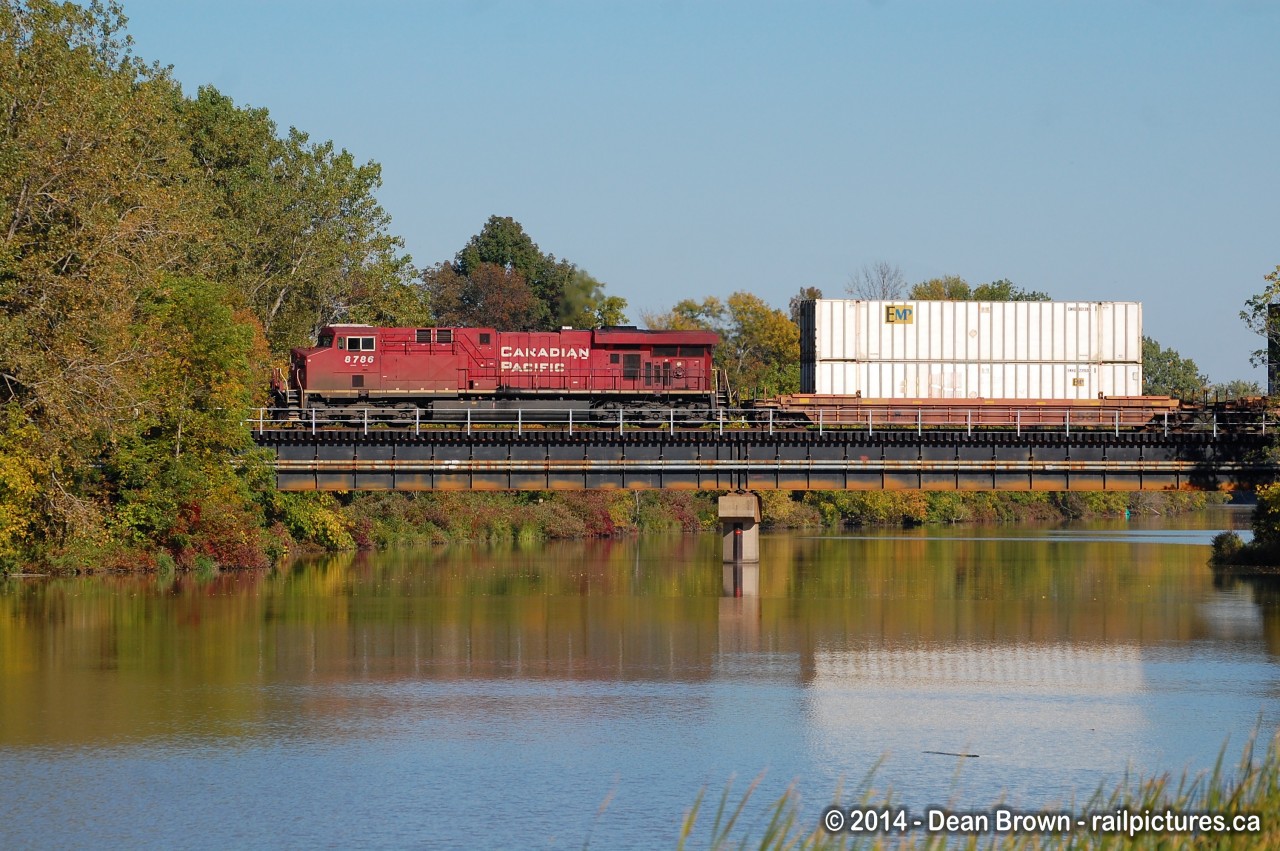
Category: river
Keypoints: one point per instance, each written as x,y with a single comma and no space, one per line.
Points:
582,693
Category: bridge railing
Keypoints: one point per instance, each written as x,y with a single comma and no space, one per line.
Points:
870,420
421,420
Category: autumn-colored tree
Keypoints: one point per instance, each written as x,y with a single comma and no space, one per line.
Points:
96,203
125,373
22,480
688,315
759,345
491,296
805,294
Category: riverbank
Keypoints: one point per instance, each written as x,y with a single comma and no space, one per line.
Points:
289,524
1260,555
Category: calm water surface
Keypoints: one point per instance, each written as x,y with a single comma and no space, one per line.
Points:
481,698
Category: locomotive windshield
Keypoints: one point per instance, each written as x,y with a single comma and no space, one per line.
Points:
325,341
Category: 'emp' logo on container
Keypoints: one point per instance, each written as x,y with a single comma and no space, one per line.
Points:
899,315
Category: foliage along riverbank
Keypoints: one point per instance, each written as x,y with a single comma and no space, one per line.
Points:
291,523
1262,553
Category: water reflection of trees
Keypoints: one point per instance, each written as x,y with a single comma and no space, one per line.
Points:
619,610
1264,590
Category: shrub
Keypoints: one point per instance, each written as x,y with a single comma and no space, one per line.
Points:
785,509
313,518
1226,546
1266,517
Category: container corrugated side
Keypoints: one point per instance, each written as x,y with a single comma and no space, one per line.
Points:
1014,331
972,380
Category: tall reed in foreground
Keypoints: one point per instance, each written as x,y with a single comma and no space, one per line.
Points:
1253,788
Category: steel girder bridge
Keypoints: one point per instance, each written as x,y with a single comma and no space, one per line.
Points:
728,459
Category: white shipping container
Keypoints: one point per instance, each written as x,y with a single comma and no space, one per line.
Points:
972,331
970,380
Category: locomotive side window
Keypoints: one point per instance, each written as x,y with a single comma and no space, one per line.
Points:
359,344
444,335
342,342
615,358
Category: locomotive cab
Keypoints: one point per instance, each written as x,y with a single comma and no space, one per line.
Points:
344,364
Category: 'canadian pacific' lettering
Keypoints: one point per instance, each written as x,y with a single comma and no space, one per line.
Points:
564,353
546,352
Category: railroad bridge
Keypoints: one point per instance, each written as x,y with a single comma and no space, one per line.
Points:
731,456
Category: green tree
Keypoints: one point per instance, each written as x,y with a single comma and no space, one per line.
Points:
503,242
955,288
302,235
946,288
1257,316
567,295
1167,373
123,370
171,480
1006,290
1237,389
602,312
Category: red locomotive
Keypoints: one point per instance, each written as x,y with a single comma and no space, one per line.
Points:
355,367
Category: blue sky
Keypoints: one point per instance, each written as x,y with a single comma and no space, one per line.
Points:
1093,150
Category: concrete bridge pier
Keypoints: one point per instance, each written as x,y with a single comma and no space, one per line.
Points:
740,527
